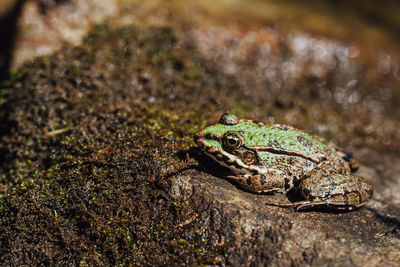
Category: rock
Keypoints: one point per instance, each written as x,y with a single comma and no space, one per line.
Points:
266,235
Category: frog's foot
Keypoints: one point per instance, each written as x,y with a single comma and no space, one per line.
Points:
295,205
336,191
338,202
299,205
283,205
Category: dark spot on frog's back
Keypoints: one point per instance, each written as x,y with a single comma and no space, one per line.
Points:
304,141
300,138
277,144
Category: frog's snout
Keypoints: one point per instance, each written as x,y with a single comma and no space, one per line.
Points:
198,138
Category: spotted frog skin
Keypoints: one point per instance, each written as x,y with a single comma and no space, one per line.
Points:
267,158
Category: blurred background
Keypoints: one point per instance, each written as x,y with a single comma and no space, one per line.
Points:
31,28
341,53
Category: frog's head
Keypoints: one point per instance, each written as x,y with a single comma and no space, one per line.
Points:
225,142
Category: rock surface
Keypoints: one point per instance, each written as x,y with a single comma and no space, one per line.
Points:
269,235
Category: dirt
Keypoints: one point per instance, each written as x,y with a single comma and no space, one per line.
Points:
98,165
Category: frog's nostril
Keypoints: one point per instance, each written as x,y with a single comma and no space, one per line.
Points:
211,137
198,135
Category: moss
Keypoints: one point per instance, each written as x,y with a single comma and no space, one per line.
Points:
87,173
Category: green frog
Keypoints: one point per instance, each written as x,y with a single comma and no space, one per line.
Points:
269,158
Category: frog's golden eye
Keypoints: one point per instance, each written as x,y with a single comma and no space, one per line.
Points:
231,141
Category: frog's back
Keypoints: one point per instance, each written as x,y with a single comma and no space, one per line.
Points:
284,139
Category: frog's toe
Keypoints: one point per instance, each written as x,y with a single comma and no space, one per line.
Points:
332,203
295,205
303,205
283,205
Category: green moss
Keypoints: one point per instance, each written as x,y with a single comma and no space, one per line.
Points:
95,152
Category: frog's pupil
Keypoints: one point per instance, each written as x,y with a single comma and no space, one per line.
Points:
232,141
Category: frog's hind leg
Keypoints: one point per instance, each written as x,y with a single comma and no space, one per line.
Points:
335,191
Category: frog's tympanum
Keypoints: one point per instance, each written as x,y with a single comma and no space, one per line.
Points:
267,158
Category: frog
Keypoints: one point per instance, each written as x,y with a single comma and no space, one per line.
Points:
268,158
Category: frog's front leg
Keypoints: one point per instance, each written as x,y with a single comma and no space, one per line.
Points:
271,181
336,191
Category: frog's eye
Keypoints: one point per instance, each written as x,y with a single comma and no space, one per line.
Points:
231,141
228,119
